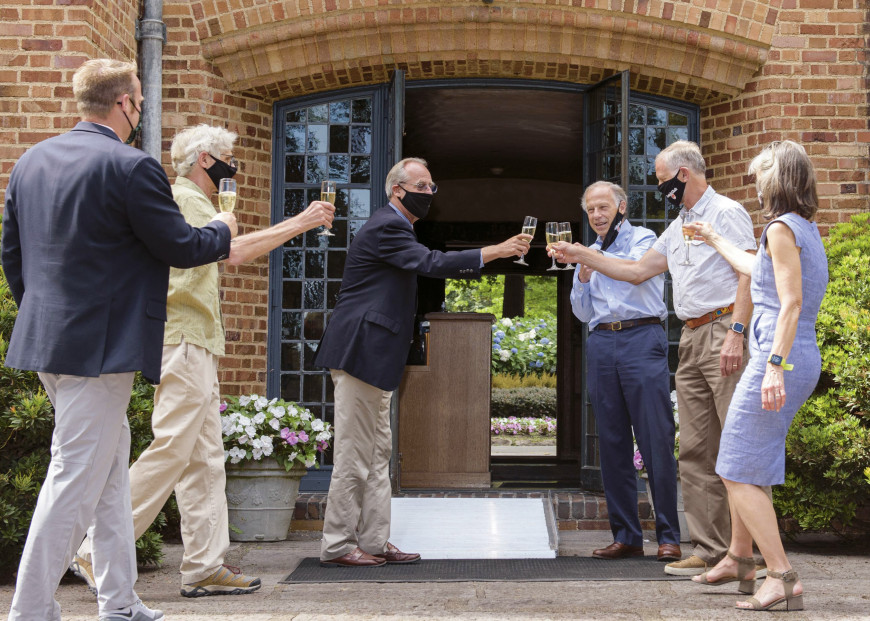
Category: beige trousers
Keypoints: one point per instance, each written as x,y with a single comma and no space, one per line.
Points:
187,455
703,397
358,504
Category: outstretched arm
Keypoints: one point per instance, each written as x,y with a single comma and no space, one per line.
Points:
652,263
515,246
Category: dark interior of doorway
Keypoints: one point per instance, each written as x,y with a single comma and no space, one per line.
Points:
499,153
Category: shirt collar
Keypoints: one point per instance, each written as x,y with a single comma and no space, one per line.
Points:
188,184
396,209
700,207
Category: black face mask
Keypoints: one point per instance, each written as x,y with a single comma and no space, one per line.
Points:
135,130
673,190
219,170
417,203
613,231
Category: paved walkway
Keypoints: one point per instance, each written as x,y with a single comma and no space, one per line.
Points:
836,578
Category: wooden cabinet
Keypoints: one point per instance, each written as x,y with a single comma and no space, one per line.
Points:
444,406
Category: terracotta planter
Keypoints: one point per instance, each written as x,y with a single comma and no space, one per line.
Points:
681,513
261,498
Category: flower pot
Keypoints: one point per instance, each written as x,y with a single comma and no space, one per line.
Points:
685,537
261,498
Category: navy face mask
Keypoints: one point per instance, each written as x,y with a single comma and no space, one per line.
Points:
612,232
673,190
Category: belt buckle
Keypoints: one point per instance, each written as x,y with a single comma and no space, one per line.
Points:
616,326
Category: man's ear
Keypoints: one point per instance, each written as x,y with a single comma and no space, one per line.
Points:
203,159
622,207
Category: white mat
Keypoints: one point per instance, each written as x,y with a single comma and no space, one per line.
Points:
473,528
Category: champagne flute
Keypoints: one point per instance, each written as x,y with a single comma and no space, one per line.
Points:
565,235
327,195
227,194
551,232
688,234
530,223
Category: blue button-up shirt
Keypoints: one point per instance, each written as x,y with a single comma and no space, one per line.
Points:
605,300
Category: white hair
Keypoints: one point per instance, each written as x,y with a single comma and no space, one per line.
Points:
190,142
398,175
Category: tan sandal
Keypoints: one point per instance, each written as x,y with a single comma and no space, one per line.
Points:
744,566
792,601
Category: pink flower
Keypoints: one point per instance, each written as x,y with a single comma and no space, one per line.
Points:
289,436
223,406
638,460
303,437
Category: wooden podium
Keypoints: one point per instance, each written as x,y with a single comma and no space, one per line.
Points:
444,406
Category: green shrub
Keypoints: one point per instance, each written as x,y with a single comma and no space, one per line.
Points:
523,402
524,346
828,445
545,380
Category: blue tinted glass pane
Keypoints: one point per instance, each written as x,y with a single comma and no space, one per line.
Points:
635,206
360,169
312,385
361,140
315,171
291,325
339,138
355,226
294,138
313,240
675,118
332,289
360,205
315,264
291,295
636,170
656,116
339,167
677,133
313,195
292,264
635,114
635,141
290,386
654,204
318,114
651,178
339,112
293,168
362,111
317,138
294,202
341,199
295,116
655,140
314,294
291,356
335,263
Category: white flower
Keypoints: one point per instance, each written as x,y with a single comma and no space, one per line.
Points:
259,417
293,456
310,462
267,449
277,411
244,421
261,403
275,424
317,425
251,430
257,454
243,439
323,436
305,415
504,354
243,401
257,443
506,322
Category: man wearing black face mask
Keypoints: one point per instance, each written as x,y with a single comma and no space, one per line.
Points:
365,347
713,302
627,377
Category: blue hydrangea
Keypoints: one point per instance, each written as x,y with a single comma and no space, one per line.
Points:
496,347
540,354
500,334
539,364
513,350
545,341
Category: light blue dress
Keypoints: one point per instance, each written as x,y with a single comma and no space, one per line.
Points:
752,447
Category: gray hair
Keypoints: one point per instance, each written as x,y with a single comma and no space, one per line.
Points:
683,153
398,175
618,193
190,142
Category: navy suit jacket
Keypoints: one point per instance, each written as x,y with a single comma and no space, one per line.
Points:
89,232
370,332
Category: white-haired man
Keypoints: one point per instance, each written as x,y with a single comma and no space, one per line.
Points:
187,453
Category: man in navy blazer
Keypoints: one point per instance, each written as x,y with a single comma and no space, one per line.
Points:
365,347
89,232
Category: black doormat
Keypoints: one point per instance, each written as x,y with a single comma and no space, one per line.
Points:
559,569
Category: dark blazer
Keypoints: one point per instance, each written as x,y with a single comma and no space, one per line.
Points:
89,232
370,332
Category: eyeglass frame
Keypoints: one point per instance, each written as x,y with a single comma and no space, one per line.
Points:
233,163
420,186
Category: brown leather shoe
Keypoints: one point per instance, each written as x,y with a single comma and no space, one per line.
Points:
394,555
670,552
357,558
618,550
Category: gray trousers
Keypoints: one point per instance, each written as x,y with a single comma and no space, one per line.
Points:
87,483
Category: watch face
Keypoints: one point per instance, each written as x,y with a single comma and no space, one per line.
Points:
775,360
738,327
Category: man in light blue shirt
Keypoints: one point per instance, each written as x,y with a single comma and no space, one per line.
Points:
627,378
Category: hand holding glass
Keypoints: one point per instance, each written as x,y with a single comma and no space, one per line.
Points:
227,195
551,232
530,223
327,195
565,235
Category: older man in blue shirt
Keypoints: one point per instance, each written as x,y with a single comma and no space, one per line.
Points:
627,360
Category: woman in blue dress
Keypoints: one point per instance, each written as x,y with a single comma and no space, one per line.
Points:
789,277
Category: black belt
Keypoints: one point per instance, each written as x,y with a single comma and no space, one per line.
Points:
629,323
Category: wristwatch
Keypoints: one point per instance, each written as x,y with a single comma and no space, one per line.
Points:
737,327
777,361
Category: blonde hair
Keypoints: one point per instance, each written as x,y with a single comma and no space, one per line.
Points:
398,175
98,84
190,142
785,180
683,153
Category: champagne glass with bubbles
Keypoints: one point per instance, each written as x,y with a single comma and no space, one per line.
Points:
227,195
327,195
530,223
688,234
565,235
551,232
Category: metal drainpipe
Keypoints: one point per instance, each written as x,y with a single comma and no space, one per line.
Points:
151,31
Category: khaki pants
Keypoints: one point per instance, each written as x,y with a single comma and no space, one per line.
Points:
358,504
703,396
187,455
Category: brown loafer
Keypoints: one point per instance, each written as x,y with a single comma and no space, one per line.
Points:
357,558
394,555
618,550
670,552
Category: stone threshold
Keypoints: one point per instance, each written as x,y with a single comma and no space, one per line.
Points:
574,509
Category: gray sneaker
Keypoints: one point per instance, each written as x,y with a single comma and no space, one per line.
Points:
84,570
136,612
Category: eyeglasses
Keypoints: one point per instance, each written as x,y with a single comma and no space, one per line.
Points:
233,162
422,185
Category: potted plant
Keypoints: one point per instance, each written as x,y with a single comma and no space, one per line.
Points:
268,446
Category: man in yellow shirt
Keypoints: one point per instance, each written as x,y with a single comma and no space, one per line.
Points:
187,454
